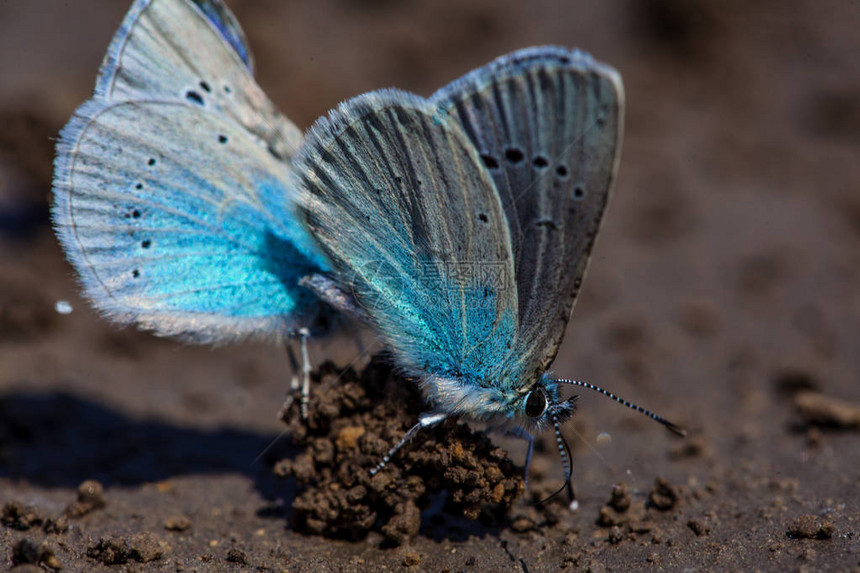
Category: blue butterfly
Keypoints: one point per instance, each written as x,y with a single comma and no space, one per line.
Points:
457,227
172,192
461,225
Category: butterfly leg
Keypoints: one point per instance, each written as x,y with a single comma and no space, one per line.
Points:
518,432
360,348
304,334
299,379
294,379
427,420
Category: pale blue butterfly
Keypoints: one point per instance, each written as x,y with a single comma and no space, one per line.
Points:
171,190
462,226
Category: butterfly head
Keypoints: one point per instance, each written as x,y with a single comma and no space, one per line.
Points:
533,406
541,405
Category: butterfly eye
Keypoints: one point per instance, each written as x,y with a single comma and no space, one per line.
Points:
535,403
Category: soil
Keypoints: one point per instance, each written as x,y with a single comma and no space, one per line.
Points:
724,293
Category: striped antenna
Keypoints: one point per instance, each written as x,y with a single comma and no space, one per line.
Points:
674,428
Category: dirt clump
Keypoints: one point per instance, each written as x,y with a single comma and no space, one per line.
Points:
353,419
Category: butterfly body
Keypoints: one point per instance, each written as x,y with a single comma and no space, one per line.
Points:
499,402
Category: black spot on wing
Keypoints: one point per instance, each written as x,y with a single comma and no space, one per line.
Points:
194,97
514,155
489,161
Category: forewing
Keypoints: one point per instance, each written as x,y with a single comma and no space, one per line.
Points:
178,222
414,226
193,51
546,123
221,17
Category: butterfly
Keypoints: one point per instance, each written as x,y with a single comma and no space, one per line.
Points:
461,225
172,186
458,228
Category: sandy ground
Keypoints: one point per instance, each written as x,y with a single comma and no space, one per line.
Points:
724,293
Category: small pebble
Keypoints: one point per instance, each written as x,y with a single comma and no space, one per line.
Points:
522,524
616,535
237,556
90,498
664,496
19,516
810,527
698,527
177,523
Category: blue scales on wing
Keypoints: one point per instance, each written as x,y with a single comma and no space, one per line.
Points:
416,232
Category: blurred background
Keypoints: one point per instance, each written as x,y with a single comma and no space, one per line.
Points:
727,273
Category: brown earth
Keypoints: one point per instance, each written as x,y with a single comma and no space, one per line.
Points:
724,293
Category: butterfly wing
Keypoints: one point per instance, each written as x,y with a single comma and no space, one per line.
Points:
176,210
413,225
221,17
546,123
195,52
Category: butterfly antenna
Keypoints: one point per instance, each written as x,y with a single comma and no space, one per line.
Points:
564,452
673,427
